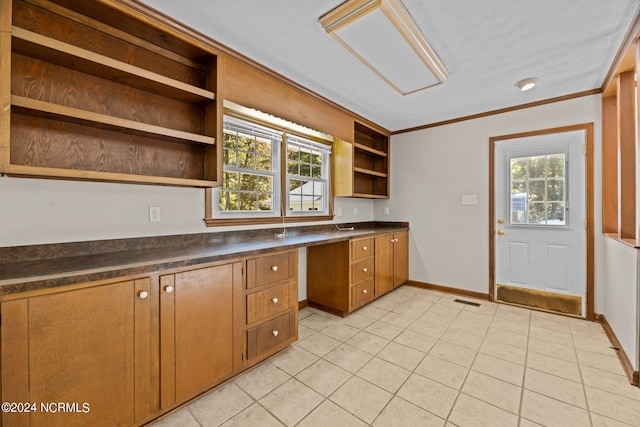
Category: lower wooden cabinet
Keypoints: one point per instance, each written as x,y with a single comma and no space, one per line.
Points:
392,261
200,341
344,276
87,350
272,304
123,353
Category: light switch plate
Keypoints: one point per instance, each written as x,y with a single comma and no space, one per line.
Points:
154,213
468,200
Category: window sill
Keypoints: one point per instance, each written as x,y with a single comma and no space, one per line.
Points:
213,222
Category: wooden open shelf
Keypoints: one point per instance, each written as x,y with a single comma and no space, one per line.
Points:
361,168
50,50
363,165
22,105
107,91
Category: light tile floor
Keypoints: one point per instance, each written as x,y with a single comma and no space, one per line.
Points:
414,357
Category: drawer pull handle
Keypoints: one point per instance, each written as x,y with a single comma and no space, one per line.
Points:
364,269
275,333
274,267
364,248
143,294
168,289
364,291
274,300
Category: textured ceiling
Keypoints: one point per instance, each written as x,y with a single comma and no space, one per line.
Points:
485,45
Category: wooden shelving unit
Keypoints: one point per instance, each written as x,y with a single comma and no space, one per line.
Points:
362,167
102,91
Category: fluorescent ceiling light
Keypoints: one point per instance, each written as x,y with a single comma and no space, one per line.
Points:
383,35
526,84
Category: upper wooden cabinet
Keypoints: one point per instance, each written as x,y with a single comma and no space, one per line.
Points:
361,168
106,91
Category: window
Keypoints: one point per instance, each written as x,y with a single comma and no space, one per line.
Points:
307,171
538,193
254,185
250,170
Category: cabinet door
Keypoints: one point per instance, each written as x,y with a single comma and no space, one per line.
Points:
400,258
87,348
197,330
384,264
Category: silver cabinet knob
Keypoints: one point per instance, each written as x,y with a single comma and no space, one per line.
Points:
275,333
364,291
364,248
143,294
274,268
364,269
168,289
274,300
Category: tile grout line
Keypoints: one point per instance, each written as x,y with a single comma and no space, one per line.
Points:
464,381
395,394
524,372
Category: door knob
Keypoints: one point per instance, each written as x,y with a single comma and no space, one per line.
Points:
274,268
168,289
500,220
274,300
500,232
143,294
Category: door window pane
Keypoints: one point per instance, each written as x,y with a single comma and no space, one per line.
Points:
537,186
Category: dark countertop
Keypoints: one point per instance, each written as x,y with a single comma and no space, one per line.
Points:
30,268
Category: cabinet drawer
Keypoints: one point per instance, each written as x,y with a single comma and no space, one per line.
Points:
263,304
271,335
361,248
361,293
361,271
271,268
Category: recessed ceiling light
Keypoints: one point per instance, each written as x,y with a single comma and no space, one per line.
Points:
526,84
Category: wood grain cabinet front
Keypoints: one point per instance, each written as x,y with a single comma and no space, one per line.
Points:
200,330
392,261
271,297
87,348
344,276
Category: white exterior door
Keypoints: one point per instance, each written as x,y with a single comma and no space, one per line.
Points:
540,211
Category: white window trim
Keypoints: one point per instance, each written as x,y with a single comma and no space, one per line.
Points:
325,151
280,175
276,136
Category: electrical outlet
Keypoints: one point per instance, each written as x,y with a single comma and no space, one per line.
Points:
355,211
338,211
154,213
386,211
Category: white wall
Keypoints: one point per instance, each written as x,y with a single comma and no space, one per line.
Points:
449,243
620,274
35,211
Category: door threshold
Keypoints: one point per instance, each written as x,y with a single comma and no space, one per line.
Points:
540,300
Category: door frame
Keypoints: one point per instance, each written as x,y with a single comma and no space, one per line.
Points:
589,188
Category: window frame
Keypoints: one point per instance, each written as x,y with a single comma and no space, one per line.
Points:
324,180
542,152
215,217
